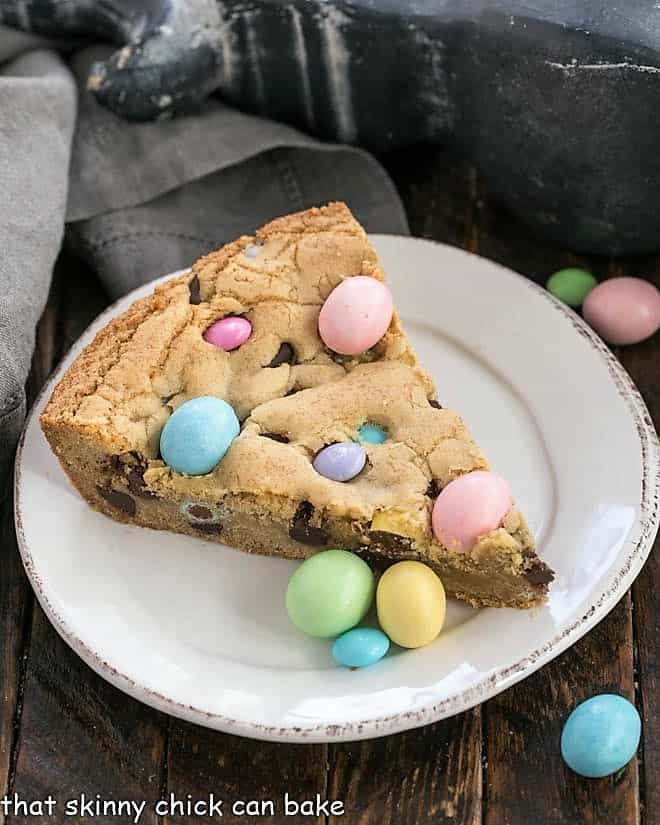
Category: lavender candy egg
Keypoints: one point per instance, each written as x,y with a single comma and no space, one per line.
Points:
340,462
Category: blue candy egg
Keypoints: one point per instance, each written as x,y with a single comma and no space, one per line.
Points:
198,434
340,462
360,647
601,735
372,434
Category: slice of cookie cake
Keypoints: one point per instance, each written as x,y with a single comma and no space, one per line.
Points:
269,399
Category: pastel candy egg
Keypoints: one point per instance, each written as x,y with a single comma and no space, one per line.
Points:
411,604
623,310
252,250
330,593
360,647
355,315
198,434
601,735
468,507
371,434
340,462
571,285
229,333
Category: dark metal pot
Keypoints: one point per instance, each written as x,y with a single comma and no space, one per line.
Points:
554,100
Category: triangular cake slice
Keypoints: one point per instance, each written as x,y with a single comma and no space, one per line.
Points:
294,397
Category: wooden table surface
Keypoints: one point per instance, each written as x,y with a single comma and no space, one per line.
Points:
66,732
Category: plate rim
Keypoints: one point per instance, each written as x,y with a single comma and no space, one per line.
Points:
602,603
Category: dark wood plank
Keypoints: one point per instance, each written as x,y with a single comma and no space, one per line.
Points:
427,775
201,762
438,192
15,616
643,363
78,735
526,778
16,599
646,619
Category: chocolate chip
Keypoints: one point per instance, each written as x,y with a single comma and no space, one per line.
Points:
337,357
193,287
391,542
136,484
212,527
200,512
539,573
435,403
376,561
301,530
433,490
118,500
276,437
284,355
115,464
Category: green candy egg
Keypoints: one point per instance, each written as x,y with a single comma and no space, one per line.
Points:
571,285
330,593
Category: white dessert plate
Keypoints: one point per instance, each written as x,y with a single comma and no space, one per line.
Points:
200,631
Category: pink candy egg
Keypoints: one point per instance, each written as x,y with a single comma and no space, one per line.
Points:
229,333
468,507
355,315
623,310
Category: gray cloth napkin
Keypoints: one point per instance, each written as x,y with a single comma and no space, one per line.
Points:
37,116
140,200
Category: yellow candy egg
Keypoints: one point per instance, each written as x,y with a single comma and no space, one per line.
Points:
411,604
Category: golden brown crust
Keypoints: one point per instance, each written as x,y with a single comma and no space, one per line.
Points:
83,376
